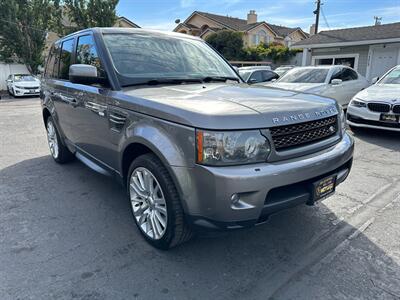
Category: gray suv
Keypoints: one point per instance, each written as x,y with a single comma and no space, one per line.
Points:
195,147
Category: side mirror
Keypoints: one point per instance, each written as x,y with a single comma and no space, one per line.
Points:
84,74
336,81
252,81
374,80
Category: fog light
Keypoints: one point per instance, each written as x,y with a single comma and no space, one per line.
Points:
235,198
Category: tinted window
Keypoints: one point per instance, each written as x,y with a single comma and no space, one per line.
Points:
65,59
86,53
256,77
53,63
344,74
268,76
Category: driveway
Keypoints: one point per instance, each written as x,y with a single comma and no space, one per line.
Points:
66,232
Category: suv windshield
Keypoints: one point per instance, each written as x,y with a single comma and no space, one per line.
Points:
19,77
138,57
392,77
305,76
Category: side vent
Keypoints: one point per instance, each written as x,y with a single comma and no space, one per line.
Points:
117,121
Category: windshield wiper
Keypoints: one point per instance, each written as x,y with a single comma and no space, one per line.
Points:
219,78
167,81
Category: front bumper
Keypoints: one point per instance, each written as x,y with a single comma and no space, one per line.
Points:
263,188
26,92
363,117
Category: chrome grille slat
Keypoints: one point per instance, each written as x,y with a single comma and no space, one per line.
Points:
289,136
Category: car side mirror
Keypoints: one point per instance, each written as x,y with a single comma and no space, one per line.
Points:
336,81
252,81
374,80
83,74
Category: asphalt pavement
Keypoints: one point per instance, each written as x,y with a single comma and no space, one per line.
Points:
66,232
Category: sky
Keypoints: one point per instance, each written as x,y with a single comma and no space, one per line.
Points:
161,15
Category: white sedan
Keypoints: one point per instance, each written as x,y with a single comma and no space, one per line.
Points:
338,82
379,105
23,85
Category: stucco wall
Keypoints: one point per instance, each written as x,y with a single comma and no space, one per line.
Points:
7,69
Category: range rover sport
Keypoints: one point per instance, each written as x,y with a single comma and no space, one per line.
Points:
193,144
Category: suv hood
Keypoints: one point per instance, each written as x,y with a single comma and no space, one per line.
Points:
27,83
381,92
225,106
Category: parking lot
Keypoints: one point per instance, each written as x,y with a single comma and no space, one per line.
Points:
67,233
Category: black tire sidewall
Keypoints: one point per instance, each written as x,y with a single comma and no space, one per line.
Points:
154,165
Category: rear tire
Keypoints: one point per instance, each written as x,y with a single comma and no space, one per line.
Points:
155,202
58,150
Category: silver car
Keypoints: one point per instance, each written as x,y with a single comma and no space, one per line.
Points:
378,106
193,145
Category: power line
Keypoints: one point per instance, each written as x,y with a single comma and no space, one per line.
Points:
326,21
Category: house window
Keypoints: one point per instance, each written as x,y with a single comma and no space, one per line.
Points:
261,37
345,60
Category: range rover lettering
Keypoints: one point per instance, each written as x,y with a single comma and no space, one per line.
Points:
194,146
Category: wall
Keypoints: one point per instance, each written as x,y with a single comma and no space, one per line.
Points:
7,69
362,51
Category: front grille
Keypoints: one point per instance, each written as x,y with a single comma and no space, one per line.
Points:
396,109
379,107
289,136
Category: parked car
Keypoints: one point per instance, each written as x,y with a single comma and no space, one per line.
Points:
23,85
283,69
194,146
338,82
379,105
257,75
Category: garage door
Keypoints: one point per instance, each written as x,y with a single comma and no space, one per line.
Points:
383,59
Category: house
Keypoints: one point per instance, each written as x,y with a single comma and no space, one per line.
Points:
203,24
371,50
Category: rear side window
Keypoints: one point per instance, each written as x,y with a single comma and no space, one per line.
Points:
53,62
268,76
256,77
345,74
86,53
65,58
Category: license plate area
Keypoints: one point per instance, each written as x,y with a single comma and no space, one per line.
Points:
324,187
389,118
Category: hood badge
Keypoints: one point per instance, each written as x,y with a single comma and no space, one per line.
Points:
304,116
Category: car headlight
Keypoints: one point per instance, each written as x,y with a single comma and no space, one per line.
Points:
357,102
219,148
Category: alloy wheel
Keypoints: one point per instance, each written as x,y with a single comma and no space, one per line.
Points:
148,203
52,139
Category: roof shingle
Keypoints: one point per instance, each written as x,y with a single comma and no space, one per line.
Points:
367,33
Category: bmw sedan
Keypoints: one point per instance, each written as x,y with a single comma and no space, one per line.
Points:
379,105
338,82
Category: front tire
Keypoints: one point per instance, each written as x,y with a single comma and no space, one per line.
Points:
58,150
156,207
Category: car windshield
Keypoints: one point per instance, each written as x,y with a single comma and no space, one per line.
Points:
23,77
392,77
305,76
139,57
245,74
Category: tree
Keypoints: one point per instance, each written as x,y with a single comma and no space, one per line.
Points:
91,13
228,43
23,29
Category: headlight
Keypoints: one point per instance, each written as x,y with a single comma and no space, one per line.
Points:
356,102
221,148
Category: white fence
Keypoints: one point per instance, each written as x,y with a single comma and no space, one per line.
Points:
7,69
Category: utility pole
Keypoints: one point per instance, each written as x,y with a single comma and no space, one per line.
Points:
316,13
